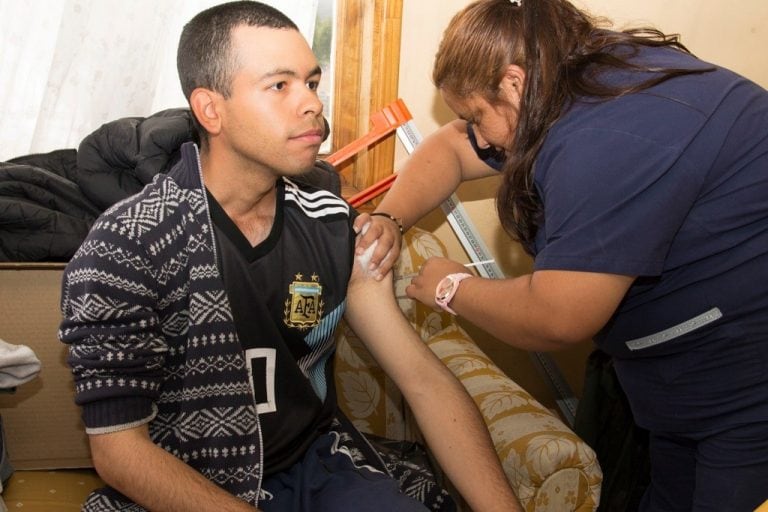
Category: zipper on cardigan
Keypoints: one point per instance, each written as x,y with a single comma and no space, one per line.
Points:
216,259
207,206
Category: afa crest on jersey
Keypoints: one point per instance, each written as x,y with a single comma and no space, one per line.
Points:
304,307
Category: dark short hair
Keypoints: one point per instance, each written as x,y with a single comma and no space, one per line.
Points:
204,58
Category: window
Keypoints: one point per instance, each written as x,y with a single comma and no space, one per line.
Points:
73,65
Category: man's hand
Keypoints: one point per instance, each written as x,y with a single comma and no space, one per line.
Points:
378,243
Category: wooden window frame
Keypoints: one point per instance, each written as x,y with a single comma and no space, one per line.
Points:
366,78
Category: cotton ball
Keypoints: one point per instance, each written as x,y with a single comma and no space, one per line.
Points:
364,260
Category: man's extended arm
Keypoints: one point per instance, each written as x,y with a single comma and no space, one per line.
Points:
446,414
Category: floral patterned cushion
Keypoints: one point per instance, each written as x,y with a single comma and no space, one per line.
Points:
550,468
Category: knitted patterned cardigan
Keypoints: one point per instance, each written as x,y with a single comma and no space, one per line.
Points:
152,339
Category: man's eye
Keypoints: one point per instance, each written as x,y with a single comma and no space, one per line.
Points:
313,85
279,86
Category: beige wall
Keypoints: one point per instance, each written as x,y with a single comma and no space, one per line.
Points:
732,34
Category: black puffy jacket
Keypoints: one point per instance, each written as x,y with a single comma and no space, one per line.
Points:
43,214
122,156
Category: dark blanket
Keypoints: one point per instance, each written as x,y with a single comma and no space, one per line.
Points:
43,214
62,162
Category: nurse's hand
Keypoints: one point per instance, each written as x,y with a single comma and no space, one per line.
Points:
424,285
382,255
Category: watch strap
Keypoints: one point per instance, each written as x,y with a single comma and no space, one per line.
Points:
444,299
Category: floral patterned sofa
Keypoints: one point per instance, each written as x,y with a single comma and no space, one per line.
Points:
550,468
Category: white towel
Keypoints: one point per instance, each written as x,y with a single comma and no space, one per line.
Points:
18,364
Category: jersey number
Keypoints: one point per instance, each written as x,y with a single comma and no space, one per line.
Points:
261,369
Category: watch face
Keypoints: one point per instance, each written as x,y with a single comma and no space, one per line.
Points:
445,287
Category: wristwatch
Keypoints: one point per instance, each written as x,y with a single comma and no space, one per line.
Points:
447,288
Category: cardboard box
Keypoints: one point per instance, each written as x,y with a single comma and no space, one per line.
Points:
42,423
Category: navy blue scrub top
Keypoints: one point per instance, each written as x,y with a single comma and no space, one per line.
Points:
669,185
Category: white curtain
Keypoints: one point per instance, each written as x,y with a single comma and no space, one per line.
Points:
68,66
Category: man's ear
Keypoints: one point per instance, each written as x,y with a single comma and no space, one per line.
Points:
205,107
513,83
